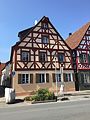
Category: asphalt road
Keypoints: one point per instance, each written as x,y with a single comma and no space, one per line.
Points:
76,110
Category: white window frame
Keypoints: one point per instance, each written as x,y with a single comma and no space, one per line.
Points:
41,78
86,78
68,77
58,77
25,79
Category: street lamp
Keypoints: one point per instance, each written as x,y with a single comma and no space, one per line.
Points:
62,81
56,77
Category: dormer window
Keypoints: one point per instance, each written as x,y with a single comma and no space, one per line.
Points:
45,25
45,39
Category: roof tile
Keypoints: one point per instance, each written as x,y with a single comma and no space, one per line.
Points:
74,40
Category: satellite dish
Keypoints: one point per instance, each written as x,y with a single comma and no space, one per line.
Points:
35,22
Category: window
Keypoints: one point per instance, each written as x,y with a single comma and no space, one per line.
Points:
25,56
45,25
42,78
25,78
83,58
88,37
42,57
56,77
85,78
45,39
89,58
67,77
61,57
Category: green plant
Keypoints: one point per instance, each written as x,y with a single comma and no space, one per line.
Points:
27,98
41,95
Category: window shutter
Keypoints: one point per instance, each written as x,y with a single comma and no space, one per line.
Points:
37,78
73,76
82,78
19,78
53,76
88,58
31,78
64,77
47,77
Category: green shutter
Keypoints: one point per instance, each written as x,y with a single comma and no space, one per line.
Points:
73,76
31,78
82,78
88,58
53,76
47,77
64,77
37,78
19,78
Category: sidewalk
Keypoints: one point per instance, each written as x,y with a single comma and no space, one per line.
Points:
72,96
75,95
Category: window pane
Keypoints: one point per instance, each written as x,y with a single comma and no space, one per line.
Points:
25,56
86,78
83,58
42,78
44,39
58,77
27,78
68,77
45,25
23,78
42,57
61,57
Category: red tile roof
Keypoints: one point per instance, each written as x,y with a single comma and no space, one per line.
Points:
2,65
74,40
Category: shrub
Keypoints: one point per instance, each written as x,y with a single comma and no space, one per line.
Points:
41,95
27,98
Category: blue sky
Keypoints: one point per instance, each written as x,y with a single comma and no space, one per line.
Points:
16,15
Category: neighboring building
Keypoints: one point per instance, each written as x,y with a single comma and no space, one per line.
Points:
79,42
2,65
37,57
6,75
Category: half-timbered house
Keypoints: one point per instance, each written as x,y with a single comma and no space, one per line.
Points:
79,42
37,57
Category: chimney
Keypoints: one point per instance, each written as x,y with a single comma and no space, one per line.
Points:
70,34
35,22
